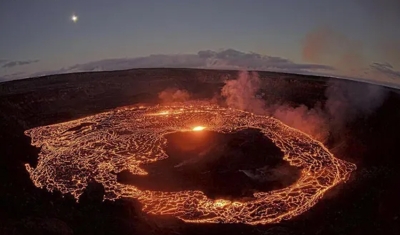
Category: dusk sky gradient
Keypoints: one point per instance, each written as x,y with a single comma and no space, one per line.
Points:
349,35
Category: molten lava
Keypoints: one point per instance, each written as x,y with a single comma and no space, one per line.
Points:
198,128
96,147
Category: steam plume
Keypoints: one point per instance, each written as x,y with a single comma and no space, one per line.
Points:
312,121
241,93
173,95
345,102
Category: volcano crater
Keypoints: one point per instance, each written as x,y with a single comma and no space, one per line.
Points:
221,165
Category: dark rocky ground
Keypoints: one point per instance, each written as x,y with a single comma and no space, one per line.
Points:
214,163
367,204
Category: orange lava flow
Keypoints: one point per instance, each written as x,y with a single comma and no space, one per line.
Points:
198,128
97,147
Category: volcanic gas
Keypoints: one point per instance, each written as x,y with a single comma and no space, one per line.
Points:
96,147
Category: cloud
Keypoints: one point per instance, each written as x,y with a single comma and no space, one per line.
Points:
325,45
141,62
11,64
318,47
385,69
12,76
253,61
226,59
3,61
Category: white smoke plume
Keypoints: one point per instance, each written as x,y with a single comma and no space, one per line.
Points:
311,121
345,101
241,93
170,95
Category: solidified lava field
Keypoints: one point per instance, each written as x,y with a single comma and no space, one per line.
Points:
206,161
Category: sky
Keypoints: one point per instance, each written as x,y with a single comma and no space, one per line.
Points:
348,38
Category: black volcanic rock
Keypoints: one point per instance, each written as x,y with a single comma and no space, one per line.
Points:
93,194
231,165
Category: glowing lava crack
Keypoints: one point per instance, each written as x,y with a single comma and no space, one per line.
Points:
97,147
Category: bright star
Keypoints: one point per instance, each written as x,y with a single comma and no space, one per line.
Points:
74,18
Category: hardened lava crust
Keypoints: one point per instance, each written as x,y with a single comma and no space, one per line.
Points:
97,147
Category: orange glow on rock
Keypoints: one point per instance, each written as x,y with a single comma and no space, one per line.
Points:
163,113
198,128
